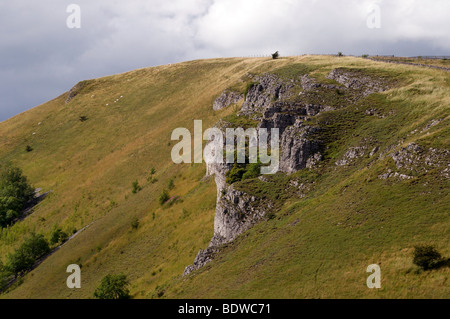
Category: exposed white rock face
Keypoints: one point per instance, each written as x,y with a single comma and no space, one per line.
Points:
235,213
226,99
297,147
391,174
268,102
352,154
73,92
203,257
352,80
431,124
267,89
417,160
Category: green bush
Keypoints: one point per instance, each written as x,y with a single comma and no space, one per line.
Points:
240,172
426,257
63,237
113,287
135,187
135,223
171,184
54,236
163,197
27,254
57,236
152,179
270,216
339,92
36,246
253,171
4,276
235,174
20,261
15,193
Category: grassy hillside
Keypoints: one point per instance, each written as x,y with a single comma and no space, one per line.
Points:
315,247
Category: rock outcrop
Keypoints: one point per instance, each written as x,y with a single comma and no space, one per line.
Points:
203,257
235,213
77,89
266,90
357,81
414,159
226,99
352,154
274,103
270,101
297,148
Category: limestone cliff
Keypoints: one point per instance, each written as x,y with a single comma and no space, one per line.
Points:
286,104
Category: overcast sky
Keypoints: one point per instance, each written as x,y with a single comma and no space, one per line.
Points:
41,57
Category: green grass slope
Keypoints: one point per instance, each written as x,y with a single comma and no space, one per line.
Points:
315,247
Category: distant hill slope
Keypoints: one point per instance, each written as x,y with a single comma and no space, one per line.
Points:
380,187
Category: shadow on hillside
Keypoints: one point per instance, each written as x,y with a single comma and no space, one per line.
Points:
29,209
445,262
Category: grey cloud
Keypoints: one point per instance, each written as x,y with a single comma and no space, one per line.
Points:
41,58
